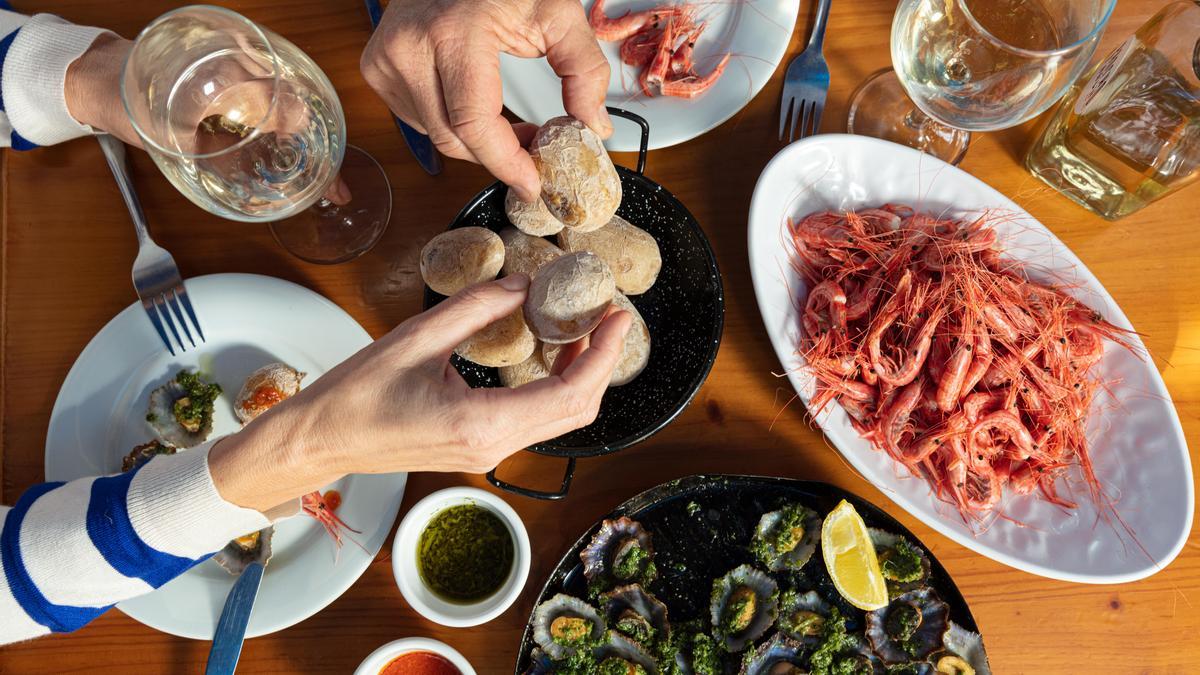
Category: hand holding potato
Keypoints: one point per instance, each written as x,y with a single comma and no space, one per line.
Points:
436,63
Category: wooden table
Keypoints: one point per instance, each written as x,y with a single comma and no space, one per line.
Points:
68,248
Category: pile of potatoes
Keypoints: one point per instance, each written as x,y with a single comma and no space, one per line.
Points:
598,261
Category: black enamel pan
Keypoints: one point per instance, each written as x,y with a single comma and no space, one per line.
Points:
684,311
695,544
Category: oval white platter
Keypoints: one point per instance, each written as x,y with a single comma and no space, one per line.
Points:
249,321
755,33
1138,447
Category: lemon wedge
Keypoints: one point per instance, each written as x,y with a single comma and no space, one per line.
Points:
850,558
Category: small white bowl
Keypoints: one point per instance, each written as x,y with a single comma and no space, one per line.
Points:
382,656
408,578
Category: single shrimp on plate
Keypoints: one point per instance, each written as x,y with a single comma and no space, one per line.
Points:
629,23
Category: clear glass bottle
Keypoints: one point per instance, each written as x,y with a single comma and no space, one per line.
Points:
1130,133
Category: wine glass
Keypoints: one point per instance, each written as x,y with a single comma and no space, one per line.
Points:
246,126
975,65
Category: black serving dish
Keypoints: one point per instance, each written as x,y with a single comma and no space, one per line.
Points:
684,311
692,547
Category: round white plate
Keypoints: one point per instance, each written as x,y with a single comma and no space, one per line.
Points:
1140,454
755,32
249,321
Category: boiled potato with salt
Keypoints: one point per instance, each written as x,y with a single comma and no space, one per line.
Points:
461,257
505,342
580,185
525,254
531,369
568,297
631,253
635,353
532,218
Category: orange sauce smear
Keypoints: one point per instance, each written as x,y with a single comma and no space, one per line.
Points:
420,663
264,397
333,499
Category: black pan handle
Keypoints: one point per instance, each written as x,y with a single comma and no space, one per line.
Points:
537,494
641,122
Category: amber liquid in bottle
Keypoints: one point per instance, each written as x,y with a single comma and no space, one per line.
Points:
1126,136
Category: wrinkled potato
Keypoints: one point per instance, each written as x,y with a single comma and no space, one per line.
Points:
461,257
580,185
505,342
635,353
568,297
532,218
525,254
529,370
631,253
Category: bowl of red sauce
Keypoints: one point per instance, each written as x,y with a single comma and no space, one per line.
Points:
415,656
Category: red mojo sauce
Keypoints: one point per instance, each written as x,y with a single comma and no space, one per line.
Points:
420,663
333,499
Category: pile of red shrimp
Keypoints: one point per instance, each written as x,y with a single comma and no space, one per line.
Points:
661,41
946,355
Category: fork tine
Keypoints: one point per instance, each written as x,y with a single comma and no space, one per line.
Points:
152,312
181,293
818,108
161,305
170,296
802,117
784,109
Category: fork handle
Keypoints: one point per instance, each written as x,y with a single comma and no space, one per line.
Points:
114,152
818,33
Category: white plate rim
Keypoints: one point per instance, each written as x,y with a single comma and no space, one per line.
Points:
345,574
625,138
760,275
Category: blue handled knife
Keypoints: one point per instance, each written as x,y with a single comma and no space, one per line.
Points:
231,628
418,143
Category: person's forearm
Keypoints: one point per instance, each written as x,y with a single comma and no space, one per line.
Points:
93,84
70,551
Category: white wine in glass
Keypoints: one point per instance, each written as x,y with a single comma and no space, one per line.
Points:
975,65
245,125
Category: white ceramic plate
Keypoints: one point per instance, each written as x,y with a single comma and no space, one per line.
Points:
756,33
249,321
1139,450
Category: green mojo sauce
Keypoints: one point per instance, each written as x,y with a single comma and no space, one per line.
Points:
465,554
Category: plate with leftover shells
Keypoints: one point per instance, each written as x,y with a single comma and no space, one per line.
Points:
756,35
678,580
250,321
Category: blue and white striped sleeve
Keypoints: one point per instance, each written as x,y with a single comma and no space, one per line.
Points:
69,551
35,53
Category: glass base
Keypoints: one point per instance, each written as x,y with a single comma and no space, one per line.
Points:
881,108
326,233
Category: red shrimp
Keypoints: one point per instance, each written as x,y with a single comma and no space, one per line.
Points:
893,420
954,376
629,23
654,74
914,354
946,355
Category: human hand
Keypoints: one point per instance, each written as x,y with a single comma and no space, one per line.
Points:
92,91
436,64
398,405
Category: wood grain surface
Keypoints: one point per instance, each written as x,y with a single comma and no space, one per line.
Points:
68,248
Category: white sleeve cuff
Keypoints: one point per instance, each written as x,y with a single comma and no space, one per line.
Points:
34,75
175,508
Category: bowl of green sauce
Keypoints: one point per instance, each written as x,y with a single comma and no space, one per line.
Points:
461,556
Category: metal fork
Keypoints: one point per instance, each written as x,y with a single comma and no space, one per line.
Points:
155,274
806,84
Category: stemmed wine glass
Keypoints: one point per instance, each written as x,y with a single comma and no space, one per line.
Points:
975,65
246,126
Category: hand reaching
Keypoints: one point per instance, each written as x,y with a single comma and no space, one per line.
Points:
398,405
437,65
